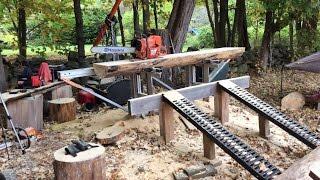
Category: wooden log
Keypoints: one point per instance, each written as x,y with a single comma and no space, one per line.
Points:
62,110
144,105
264,127
301,168
110,135
166,120
221,105
27,112
61,92
123,67
208,148
87,165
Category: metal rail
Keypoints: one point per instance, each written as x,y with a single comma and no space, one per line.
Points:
289,125
232,145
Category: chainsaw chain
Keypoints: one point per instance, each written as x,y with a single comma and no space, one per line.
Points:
232,145
272,114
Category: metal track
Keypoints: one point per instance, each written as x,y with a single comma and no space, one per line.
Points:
232,145
272,114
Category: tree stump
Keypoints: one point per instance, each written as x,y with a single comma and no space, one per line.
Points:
62,110
87,165
110,135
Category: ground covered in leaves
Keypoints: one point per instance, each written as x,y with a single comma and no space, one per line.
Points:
140,154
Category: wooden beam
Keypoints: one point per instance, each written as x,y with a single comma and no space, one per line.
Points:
264,127
144,105
301,169
32,92
208,148
221,105
166,120
123,67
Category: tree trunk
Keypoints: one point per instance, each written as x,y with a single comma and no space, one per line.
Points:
179,22
223,22
211,21
243,38
266,39
136,23
291,38
79,31
3,77
123,39
22,31
155,13
146,16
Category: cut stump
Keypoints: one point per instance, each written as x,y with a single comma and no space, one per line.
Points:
87,165
62,110
110,135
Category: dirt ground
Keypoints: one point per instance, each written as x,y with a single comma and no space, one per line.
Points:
141,155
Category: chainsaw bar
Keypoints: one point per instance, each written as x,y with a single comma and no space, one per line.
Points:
272,114
112,50
232,145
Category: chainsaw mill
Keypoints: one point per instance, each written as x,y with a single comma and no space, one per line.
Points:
143,47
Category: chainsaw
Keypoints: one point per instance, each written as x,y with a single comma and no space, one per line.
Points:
142,47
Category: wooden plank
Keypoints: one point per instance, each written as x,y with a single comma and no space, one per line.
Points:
221,105
144,105
123,67
301,168
208,148
40,90
264,127
166,120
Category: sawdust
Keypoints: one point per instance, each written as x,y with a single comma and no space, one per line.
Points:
140,154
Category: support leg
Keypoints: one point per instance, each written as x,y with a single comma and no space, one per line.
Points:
150,89
205,75
134,85
208,148
166,122
189,75
264,128
221,105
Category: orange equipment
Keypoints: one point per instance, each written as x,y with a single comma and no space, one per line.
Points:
106,25
148,48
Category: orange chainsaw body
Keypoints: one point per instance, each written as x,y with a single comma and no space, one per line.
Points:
150,47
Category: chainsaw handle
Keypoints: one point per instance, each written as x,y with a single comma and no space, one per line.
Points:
104,26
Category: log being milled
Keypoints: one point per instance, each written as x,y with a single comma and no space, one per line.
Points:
123,67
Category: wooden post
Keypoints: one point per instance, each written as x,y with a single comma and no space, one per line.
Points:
205,75
264,127
87,165
208,148
221,105
139,85
189,75
150,89
134,86
166,122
